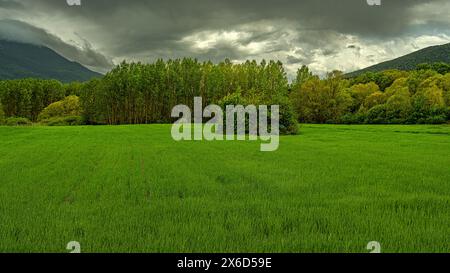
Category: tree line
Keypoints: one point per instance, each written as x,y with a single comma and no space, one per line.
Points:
421,96
137,93
146,93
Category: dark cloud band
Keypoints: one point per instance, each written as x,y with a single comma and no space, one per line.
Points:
295,31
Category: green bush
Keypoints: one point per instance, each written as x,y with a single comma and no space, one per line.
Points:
356,118
14,121
396,121
377,115
2,115
439,119
434,115
288,120
70,106
64,121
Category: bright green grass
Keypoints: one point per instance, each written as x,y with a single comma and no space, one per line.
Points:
133,189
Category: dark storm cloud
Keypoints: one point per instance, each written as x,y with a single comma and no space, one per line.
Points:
23,32
10,4
348,16
294,60
146,29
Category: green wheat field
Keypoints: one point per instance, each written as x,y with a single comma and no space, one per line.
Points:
134,189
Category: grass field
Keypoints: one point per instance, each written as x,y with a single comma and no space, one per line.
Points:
133,189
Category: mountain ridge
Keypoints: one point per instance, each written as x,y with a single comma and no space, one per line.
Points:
432,54
21,60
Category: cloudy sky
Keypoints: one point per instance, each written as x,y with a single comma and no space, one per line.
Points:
323,34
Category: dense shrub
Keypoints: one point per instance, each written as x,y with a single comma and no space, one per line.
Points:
433,115
287,122
2,114
439,119
356,118
17,121
64,121
288,119
70,106
377,115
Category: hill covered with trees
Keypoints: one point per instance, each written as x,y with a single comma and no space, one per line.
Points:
421,96
433,54
20,60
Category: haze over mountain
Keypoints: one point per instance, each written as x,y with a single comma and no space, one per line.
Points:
432,54
21,60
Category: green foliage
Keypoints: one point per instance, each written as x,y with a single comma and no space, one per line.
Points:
433,119
73,88
321,101
398,86
398,106
375,99
146,93
93,110
2,114
235,98
439,67
303,75
288,120
69,106
419,96
361,92
17,121
28,97
416,79
383,79
354,118
377,115
64,121
135,93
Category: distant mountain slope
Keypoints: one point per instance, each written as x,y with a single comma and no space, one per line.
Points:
431,54
18,60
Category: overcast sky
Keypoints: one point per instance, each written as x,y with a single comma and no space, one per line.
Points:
323,34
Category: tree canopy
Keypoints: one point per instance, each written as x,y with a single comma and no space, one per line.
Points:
135,93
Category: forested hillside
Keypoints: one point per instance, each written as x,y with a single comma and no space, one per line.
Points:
19,60
387,97
433,54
